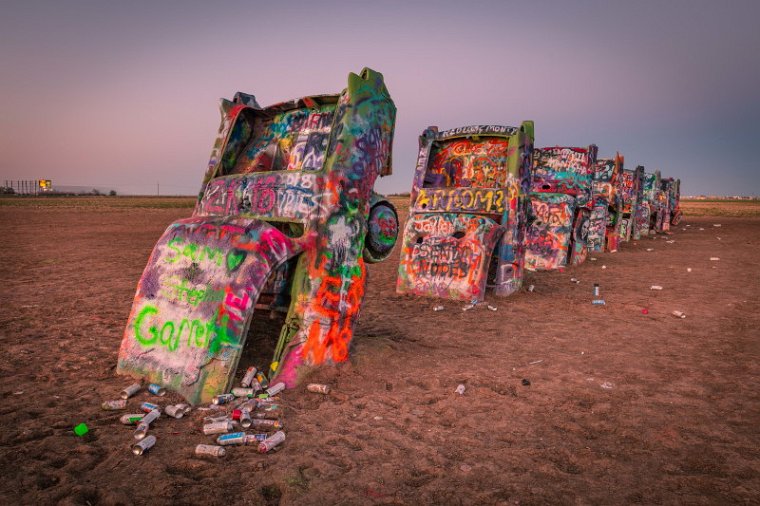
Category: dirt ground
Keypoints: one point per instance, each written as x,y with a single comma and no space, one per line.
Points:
622,406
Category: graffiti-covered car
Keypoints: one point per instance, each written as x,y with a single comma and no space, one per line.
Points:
466,223
630,189
286,220
672,190
604,223
560,207
648,210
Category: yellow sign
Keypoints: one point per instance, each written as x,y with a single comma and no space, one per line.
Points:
45,184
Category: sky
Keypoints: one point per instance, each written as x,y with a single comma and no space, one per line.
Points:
124,95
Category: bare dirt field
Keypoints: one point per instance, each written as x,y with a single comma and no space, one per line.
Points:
622,407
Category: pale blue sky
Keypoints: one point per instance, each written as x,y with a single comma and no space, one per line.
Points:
124,95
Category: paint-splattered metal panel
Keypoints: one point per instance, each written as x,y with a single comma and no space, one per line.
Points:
550,231
566,170
193,304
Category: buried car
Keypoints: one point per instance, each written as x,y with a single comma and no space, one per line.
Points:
672,190
286,221
629,188
560,207
467,218
648,209
604,223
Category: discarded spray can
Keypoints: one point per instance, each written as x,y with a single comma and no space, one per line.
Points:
275,439
184,407
596,290
242,392
223,399
217,427
233,438
250,375
236,414
655,287
575,280
438,308
156,389
492,308
245,418
262,380
176,411
143,425
276,389
130,390
599,302
149,406
131,419
142,446
213,419
270,413
460,389
318,388
114,405
263,423
531,288
209,451
714,259
255,438
679,314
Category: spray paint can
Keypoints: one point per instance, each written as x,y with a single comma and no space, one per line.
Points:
156,389
184,407
175,411
242,392
262,380
220,427
250,375
245,418
274,440
276,389
130,390
144,445
259,423
596,290
114,405
144,424
255,439
679,314
223,399
233,438
149,406
209,451
318,388
131,419
655,287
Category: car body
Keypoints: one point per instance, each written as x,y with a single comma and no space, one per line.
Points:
604,223
286,220
630,189
560,207
672,189
649,208
467,218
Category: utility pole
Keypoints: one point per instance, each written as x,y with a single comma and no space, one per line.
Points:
158,192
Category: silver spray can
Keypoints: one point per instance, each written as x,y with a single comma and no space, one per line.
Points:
156,389
143,425
266,424
149,406
144,445
596,290
114,405
318,388
217,427
175,411
250,375
255,439
233,438
184,407
209,451
276,389
223,399
242,392
245,418
130,390
272,441
131,419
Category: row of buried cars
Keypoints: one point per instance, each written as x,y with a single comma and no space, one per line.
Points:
485,205
287,220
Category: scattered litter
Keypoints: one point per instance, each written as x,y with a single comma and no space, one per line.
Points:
81,429
679,314
438,308
147,406
583,353
701,228
714,259
468,307
220,427
607,385
223,399
650,249
114,405
593,259
718,238
535,362
243,392
156,390
131,419
688,269
318,388
655,287
671,241
19,392
717,225
492,308
142,446
465,468
531,288
209,451
378,418
233,438
276,389
604,266
526,382
575,280
250,375
644,311
460,389
130,390
175,411
269,443
598,302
